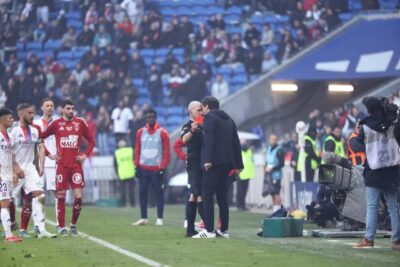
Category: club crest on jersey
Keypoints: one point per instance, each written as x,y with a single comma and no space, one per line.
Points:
76,126
69,128
71,141
62,128
77,178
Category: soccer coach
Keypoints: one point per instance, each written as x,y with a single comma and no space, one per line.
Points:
221,152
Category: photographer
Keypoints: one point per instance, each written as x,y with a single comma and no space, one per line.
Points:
380,134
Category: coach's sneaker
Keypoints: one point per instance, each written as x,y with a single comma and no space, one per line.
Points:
13,239
205,234
364,243
159,222
63,232
73,230
24,234
14,226
396,245
45,234
141,222
223,234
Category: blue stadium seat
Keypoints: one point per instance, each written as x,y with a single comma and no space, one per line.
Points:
183,10
232,18
162,52
52,44
147,52
21,55
283,19
73,15
148,61
20,46
175,120
345,16
143,100
234,10
65,55
239,79
225,70
168,12
235,30
161,111
175,111
178,52
79,51
271,19
33,46
138,82
239,69
43,54
144,94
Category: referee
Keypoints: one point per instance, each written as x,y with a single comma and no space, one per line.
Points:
192,137
220,153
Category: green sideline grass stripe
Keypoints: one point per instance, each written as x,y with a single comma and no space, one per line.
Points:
116,248
120,250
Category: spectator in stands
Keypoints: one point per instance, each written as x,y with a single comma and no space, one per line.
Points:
370,4
253,64
134,10
169,63
195,87
185,28
119,14
90,57
128,90
209,43
68,40
12,90
340,6
217,22
267,35
42,11
256,49
101,39
202,66
10,42
154,85
108,13
192,48
220,88
50,80
352,118
286,46
314,13
3,97
127,26
53,32
39,34
122,118
168,36
138,122
250,34
91,17
137,67
268,62
85,37
331,18
176,83
103,123
220,55
202,33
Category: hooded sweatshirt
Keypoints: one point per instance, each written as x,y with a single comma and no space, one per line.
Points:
383,177
221,142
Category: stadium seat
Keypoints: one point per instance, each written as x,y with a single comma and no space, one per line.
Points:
73,15
270,19
65,55
239,79
138,82
20,46
52,44
161,52
79,51
178,52
234,10
143,100
225,70
239,69
146,52
345,16
175,110
148,61
175,120
43,54
33,46
161,111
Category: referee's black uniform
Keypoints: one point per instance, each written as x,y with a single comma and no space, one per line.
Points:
195,172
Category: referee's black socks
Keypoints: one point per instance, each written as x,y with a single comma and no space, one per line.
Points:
191,208
200,209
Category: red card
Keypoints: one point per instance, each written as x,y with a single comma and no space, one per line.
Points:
199,119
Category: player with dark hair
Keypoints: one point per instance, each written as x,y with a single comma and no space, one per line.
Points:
7,175
26,138
69,132
151,159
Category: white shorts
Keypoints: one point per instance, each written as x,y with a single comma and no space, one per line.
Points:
5,190
50,177
31,182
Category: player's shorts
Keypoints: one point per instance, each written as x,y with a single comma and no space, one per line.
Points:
276,187
69,177
50,178
30,183
195,180
5,189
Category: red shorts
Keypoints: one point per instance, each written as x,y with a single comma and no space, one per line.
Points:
69,177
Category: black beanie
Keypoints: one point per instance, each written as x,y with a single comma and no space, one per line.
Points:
5,111
372,104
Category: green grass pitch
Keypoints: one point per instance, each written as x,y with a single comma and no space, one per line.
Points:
168,245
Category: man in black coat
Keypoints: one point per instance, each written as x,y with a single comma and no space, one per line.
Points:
381,138
220,154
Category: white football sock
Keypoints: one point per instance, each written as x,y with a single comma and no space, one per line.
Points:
37,206
6,221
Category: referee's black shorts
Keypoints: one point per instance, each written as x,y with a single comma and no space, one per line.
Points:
195,180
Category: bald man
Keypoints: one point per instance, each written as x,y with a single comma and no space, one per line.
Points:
192,136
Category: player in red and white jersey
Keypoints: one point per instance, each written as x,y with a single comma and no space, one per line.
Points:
69,132
26,139
7,177
51,150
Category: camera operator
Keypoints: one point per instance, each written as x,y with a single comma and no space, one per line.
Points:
380,134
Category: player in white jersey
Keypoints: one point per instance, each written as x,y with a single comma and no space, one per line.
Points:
26,140
51,152
7,177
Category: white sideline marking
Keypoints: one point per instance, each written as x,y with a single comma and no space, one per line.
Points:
120,250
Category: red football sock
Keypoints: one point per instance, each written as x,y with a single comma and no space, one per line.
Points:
26,211
12,211
61,212
76,210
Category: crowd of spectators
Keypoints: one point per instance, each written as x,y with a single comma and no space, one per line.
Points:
115,33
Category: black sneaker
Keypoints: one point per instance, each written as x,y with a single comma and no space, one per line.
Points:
73,230
190,234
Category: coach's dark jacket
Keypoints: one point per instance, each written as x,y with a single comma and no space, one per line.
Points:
221,142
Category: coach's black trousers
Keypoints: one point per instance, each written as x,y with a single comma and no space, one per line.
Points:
216,182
